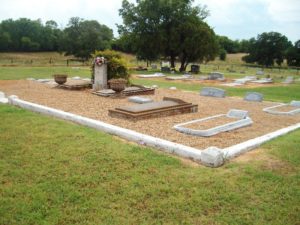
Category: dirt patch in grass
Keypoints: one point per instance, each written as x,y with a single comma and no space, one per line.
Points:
86,104
266,161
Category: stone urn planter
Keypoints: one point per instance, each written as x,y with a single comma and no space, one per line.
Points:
117,85
60,78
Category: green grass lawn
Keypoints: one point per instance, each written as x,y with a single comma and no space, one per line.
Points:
17,73
275,93
56,172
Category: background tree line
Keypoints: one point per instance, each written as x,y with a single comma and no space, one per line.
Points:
151,29
80,37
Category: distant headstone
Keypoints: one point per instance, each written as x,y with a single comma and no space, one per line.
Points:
295,103
195,68
213,92
165,69
215,76
260,72
154,66
236,113
172,88
139,100
254,97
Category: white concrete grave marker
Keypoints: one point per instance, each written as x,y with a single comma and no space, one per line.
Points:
100,74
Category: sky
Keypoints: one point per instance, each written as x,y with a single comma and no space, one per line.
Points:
237,19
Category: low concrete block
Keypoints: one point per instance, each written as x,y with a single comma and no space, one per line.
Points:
236,113
139,100
254,97
212,157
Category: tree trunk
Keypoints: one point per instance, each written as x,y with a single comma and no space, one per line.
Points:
183,63
172,59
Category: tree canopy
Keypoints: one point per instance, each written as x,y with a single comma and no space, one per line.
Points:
173,29
267,49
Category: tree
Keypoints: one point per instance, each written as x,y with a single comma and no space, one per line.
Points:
228,45
83,37
168,28
267,49
293,55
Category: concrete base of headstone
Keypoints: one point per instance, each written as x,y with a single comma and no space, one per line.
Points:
139,100
212,157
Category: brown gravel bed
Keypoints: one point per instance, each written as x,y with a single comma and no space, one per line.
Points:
86,104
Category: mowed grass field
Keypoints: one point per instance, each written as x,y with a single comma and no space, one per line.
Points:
56,172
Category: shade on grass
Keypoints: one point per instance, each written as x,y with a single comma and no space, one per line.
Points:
56,172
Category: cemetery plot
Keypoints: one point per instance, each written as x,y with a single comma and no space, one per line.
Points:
213,125
84,103
167,107
284,109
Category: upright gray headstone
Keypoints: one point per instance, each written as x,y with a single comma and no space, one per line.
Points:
100,75
254,97
213,92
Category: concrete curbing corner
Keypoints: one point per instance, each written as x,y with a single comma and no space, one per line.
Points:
212,157
3,98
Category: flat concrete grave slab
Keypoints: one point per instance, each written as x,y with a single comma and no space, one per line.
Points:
75,84
105,92
254,97
284,109
132,90
152,75
177,78
213,92
215,76
167,107
263,81
235,119
139,100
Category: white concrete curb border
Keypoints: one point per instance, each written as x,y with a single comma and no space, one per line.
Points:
215,130
246,146
167,146
211,156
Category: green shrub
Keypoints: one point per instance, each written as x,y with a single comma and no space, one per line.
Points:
116,65
223,54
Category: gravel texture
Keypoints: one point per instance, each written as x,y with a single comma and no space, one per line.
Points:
86,104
